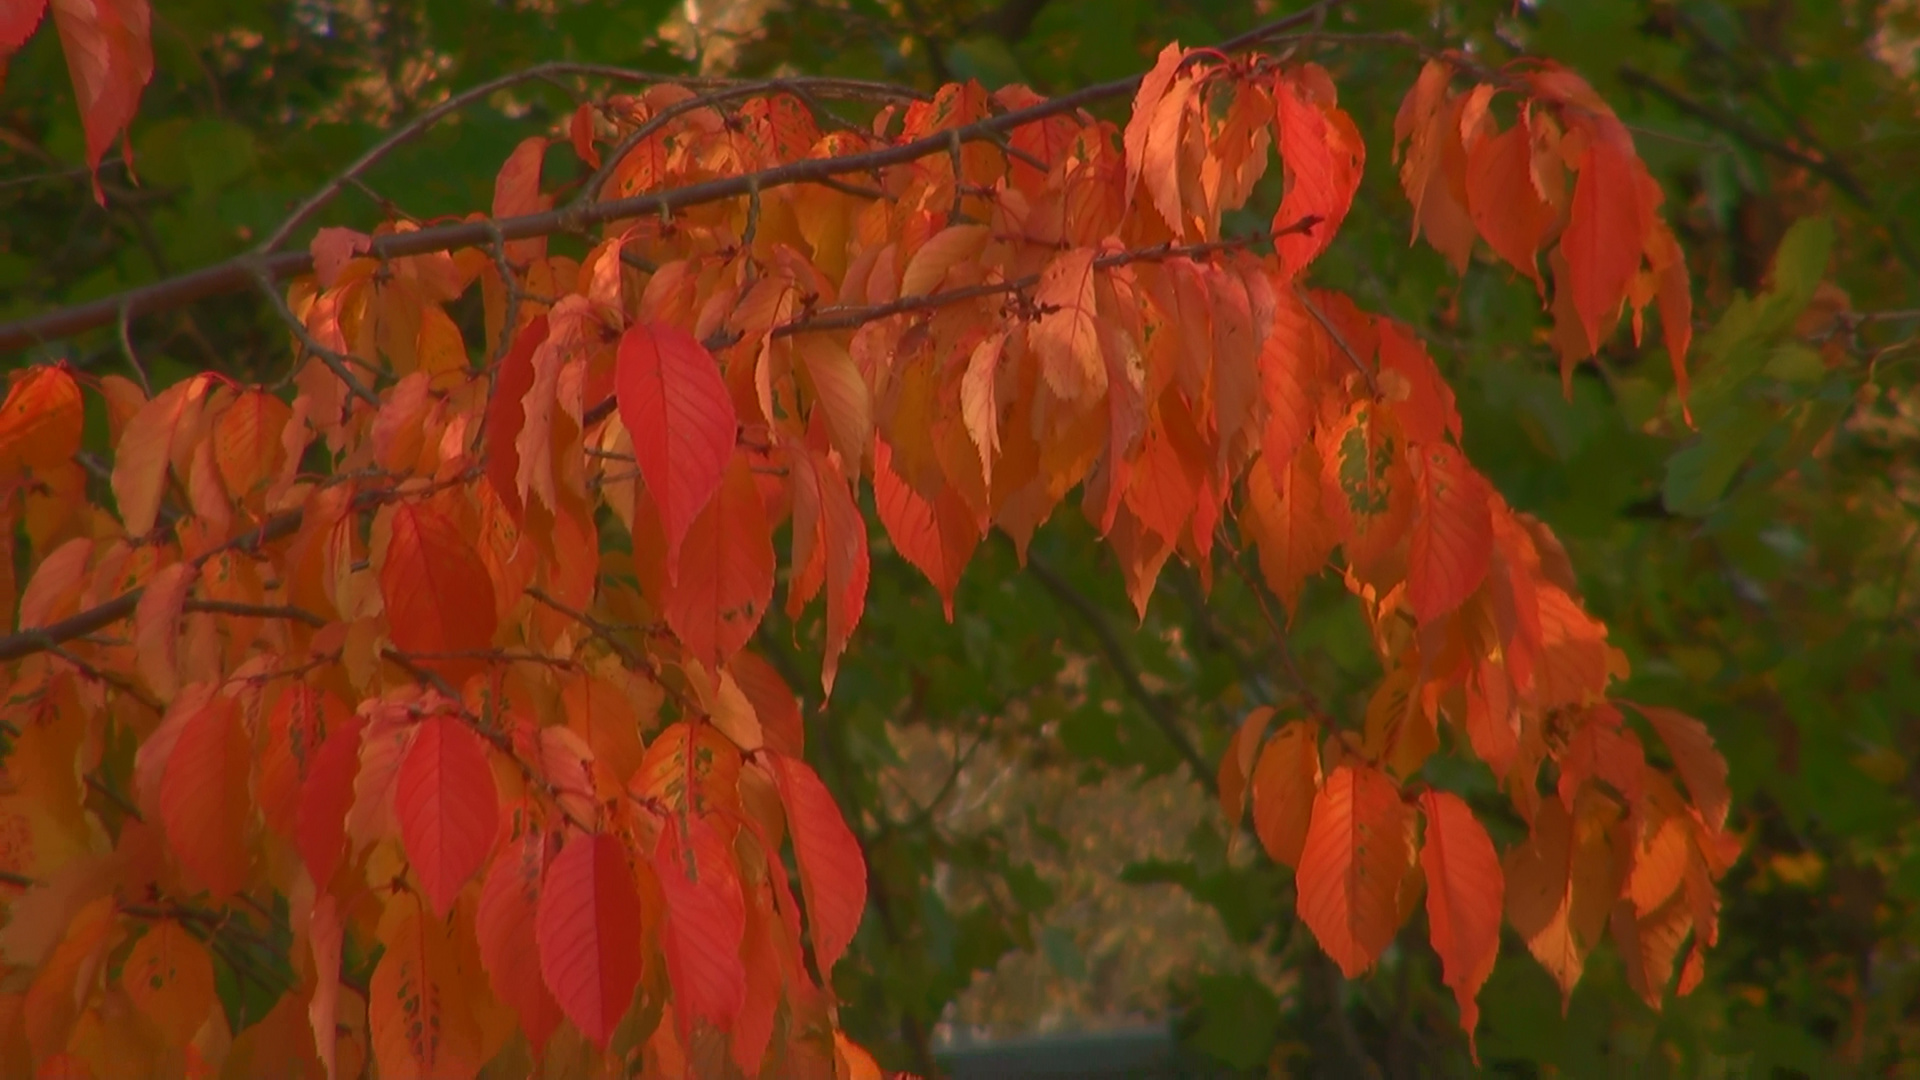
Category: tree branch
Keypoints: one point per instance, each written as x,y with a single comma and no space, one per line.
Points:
236,274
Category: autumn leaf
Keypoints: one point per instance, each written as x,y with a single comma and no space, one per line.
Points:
1351,866
833,872
417,1004
677,410
110,60
587,930
706,920
1066,337
1694,755
1324,158
204,802
1464,898
1286,781
726,571
40,420
1606,233
447,805
320,830
504,926
169,978
1451,543
439,597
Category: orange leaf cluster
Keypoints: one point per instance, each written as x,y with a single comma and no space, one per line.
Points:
463,674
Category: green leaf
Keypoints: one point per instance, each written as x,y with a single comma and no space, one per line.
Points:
1698,475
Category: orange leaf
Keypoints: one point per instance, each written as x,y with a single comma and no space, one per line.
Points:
417,1009
110,60
1561,886
677,410
1451,544
247,442
1324,158
332,249
833,873
1293,535
1700,764
40,421
588,933
726,571
1605,235
1285,781
169,977
439,597
1464,897
152,439
1066,338
1236,767
504,927
203,796
706,920
1152,88
1351,866
326,935
516,192
156,629
936,535
447,805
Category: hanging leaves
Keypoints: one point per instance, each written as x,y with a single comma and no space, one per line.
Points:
501,641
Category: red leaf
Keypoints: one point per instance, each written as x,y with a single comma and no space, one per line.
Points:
833,873
706,920
507,413
1561,885
1606,234
1287,524
726,572
320,832
1236,767
1465,890
110,60
1324,157
1505,204
203,797
827,526
504,928
17,23
678,412
1352,864
588,933
447,805
438,594
247,441
1452,541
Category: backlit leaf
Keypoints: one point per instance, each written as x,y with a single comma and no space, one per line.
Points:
1352,864
203,797
1464,898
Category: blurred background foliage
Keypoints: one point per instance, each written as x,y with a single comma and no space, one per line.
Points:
1031,783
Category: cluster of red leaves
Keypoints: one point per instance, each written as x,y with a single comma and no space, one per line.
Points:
478,697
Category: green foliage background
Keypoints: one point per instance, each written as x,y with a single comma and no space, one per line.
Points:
1020,778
